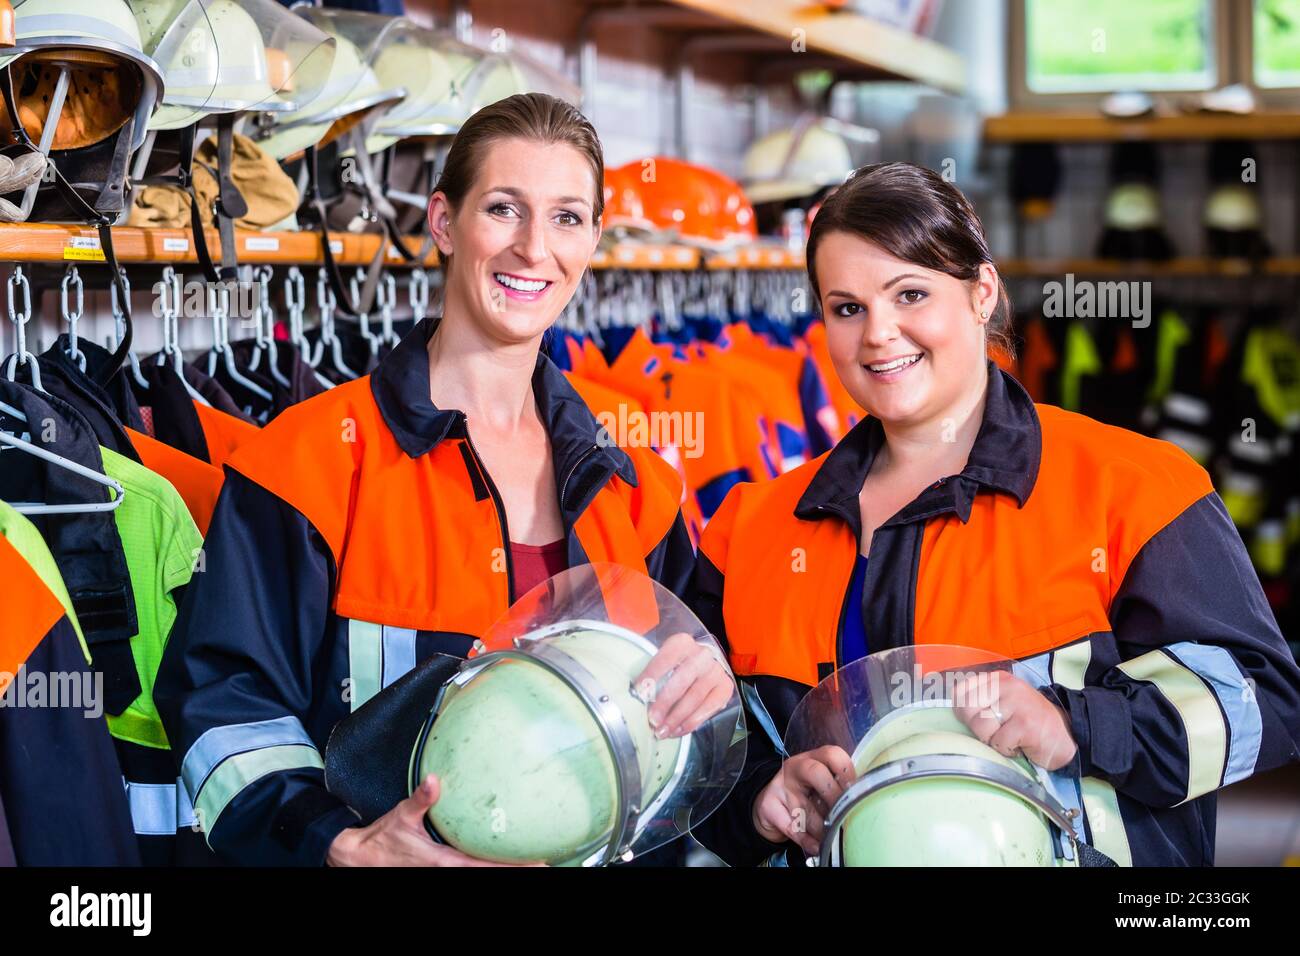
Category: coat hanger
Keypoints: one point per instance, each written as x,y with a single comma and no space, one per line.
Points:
169,305
58,461
264,328
295,302
363,318
386,296
325,300
119,323
219,309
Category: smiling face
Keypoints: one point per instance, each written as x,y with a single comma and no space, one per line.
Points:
906,341
520,239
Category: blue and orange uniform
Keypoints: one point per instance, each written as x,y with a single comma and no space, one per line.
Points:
357,535
1103,558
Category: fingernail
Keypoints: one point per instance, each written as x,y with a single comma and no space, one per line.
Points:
654,719
661,732
677,732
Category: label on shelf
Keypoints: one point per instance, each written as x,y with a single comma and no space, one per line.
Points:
175,244
83,249
262,244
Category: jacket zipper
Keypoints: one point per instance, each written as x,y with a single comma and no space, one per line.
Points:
565,485
844,605
501,511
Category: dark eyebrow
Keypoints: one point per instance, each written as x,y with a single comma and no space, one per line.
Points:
905,275
518,194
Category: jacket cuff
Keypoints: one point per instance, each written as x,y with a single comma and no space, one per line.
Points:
1102,725
307,824
322,833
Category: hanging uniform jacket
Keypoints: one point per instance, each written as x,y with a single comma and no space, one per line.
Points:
357,536
87,546
615,407
197,482
223,433
1101,557
64,379
59,780
783,441
664,385
162,545
125,569
821,425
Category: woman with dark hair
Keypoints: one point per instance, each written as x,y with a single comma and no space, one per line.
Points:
398,516
959,512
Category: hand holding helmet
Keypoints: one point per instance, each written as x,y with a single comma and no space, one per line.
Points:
796,802
398,838
1016,719
687,683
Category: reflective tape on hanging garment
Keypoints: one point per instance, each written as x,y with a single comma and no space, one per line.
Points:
378,655
227,759
159,809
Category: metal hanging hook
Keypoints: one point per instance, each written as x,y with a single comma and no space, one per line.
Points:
20,318
71,281
419,293
386,294
363,318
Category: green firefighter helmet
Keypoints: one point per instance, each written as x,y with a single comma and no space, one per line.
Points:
542,742
943,820
434,68
111,78
351,91
928,791
229,56
519,741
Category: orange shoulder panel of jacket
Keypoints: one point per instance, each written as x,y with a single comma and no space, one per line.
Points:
26,615
223,432
657,497
1144,483
198,483
766,504
308,455
784,577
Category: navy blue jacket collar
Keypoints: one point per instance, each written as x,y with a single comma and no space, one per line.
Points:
400,385
1005,457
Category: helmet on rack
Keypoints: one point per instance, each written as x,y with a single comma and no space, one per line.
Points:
230,56
693,203
221,58
541,739
448,81
351,91
83,91
928,791
795,163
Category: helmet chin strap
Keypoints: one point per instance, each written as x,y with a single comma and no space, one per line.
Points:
76,202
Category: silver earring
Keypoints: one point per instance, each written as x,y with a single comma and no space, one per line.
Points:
984,315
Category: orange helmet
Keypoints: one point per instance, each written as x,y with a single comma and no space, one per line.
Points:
624,210
698,204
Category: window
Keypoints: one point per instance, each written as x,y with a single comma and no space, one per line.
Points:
1098,46
1277,43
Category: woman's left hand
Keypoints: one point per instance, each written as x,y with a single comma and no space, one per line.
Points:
1012,717
685,684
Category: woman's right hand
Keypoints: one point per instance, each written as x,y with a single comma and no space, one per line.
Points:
398,838
795,803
